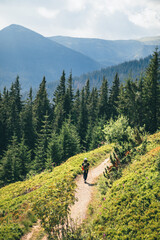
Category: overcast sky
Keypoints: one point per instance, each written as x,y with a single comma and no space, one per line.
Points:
107,19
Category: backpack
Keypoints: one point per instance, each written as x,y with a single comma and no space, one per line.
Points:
85,166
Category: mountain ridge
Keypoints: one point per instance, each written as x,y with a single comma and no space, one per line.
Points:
32,56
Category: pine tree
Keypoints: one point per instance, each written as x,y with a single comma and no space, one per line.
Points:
113,97
42,146
83,119
27,123
127,101
92,115
103,100
41,106
69,97
4,120
14,108
151,94
60,103
69,140
25,159
76,107
54,151
11,163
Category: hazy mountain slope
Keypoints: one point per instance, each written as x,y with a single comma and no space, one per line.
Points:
151,40
131,69
127,69
32,56
107,52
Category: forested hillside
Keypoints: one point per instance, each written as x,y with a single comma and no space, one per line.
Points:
37,134
132,69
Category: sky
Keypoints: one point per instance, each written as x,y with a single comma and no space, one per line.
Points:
105,19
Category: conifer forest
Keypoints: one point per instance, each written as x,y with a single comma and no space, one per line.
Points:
38,133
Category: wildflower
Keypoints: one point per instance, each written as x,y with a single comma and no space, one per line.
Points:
146,177
104,198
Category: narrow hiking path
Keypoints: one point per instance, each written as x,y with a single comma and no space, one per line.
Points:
83,194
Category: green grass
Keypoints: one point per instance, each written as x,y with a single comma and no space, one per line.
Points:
131,207
17,199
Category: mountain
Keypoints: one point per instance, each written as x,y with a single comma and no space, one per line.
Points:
32,56
131,69
151,40
108,52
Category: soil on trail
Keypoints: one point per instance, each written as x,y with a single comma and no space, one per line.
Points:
83,195
84,192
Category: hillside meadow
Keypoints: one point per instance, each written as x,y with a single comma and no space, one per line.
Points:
17,200
130,209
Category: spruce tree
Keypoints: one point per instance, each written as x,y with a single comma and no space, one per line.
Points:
113,97
27,122
11,163
14,108
151,94
103,100
41,106
42,146
76,107
69,140
54,151
60,103
69,97
83,118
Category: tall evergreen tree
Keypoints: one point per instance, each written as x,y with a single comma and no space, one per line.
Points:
103,100
83,118
41,106
27,124
151,94
60,103
42,146
127,103
69,140
11,163
14,108
54,151
113,97
76,107
69,97
4,120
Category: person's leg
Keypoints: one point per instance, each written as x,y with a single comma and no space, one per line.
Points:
85,176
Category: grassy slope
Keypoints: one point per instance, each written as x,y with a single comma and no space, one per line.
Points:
131,208
16,199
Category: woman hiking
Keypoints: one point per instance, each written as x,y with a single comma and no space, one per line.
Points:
85,168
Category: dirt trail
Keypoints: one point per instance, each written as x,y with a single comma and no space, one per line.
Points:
84,192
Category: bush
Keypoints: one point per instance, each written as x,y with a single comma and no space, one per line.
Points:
118,131
10,232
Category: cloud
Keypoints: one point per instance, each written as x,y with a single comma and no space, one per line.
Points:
84,18
47,13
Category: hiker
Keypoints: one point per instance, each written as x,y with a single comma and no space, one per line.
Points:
85,168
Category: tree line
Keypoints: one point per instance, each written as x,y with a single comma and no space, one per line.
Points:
37,134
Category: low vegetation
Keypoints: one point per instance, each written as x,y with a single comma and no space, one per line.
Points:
130,207
48,193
